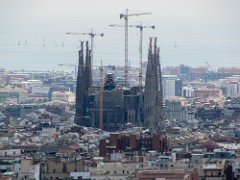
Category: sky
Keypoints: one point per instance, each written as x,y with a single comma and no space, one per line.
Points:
33,32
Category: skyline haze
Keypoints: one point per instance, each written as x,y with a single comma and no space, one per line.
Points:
32,33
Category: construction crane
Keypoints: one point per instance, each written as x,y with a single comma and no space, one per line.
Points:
212,70
101,97
92,35
75,67
125,17
140,27
69,65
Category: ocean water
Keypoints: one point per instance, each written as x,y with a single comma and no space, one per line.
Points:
27,56
37,57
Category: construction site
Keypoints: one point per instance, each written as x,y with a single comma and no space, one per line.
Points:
111,106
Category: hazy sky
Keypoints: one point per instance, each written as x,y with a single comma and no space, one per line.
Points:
204,30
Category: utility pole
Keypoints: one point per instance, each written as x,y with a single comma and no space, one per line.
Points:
125,17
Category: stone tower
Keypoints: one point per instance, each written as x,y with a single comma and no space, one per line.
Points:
153,98
84,85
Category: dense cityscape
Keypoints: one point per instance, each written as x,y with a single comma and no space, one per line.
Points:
120,122
191,130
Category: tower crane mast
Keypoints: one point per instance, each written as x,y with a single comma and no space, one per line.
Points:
101,98
140,27
125,17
